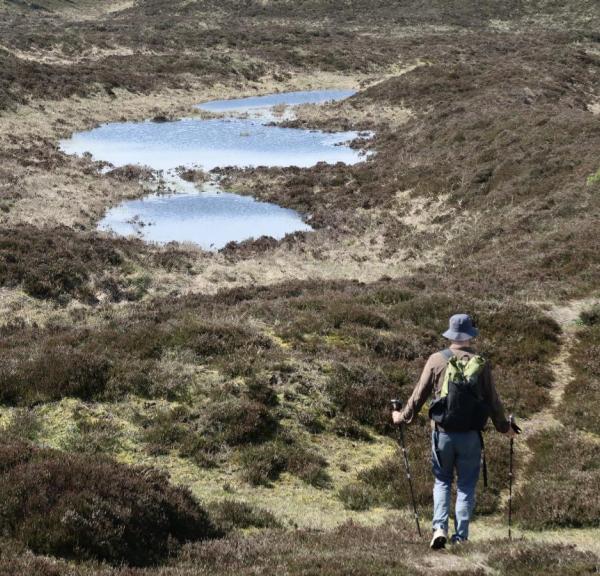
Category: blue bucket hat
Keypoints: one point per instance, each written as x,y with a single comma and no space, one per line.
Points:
460,327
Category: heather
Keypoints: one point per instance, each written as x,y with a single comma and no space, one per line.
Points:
59,265
393,328
93,508
348,550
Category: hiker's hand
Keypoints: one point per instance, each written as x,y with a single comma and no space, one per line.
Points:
513,429
397,417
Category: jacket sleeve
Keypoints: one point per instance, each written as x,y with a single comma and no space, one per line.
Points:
422,391
499,419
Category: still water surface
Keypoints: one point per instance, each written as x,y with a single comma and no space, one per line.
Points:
210,217
262,104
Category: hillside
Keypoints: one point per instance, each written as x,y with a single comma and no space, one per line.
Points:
171,411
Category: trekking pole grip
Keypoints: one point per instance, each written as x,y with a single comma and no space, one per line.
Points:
396,405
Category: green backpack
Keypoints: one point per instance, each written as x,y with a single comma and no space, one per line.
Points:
460,407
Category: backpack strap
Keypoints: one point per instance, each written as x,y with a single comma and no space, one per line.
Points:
447,354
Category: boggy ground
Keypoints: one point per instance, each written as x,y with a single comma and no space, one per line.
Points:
258,378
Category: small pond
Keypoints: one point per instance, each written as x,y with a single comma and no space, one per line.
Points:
263,104
209,216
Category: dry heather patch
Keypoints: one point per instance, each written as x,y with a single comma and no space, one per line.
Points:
123,356
59,264
390,550
349,115
525,559
229,515
519,177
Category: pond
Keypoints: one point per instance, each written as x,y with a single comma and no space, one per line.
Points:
209,216
262,105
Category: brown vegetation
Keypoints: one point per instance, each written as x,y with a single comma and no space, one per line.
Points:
501,131
229,515
393,327
263,464
349,550
90,508
60,264
323,325
526,559
120,357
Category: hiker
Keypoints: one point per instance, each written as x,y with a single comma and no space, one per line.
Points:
464,410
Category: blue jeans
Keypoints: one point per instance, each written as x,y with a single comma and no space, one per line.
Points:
460,450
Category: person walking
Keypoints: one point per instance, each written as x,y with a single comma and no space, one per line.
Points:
464,398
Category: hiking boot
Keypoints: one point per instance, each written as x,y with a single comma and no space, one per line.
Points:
456,539
439,539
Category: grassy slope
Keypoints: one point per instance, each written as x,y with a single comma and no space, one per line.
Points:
494,114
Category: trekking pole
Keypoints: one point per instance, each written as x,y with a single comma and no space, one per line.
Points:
517,430
510,482
396,407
